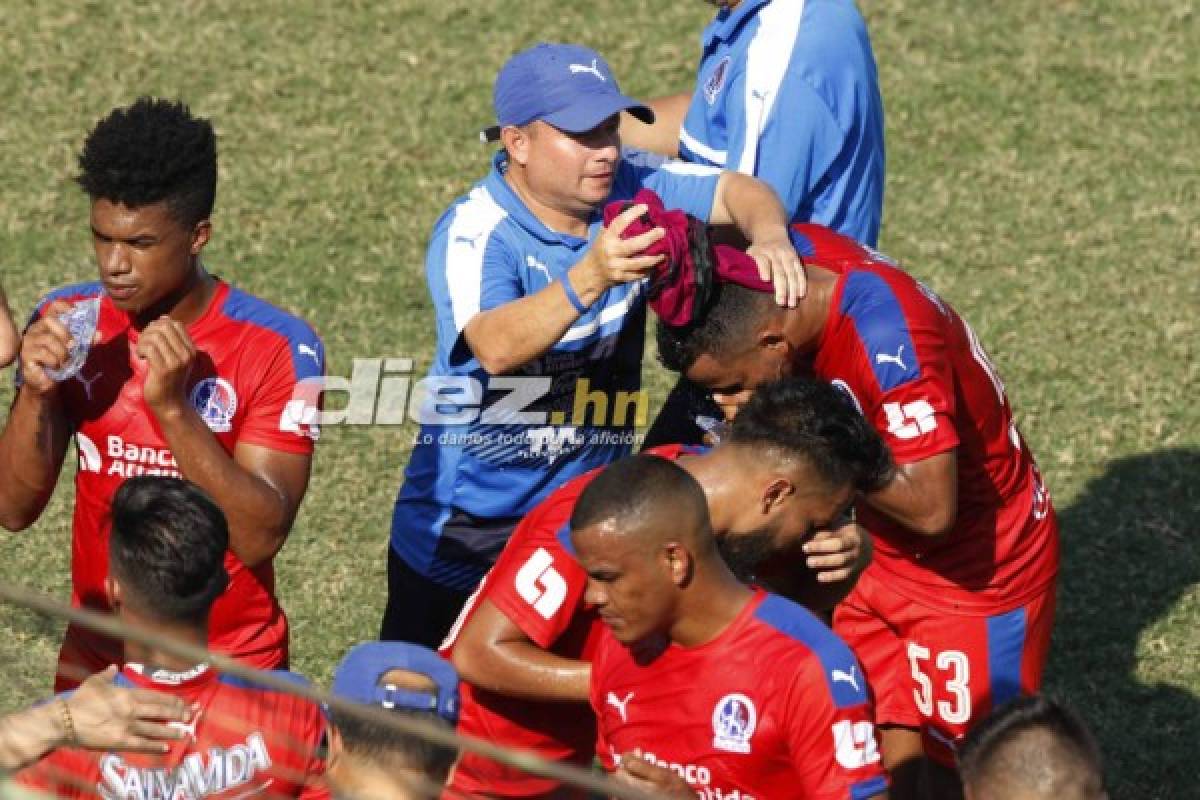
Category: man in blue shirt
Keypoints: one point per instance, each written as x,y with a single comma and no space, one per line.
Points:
787,91
540,323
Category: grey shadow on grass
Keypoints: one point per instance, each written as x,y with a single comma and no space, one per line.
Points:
1131,549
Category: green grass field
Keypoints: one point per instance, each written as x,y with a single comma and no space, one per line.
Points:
1042,175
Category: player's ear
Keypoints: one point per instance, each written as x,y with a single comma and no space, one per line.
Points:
679,563
200,236
516,141
776,495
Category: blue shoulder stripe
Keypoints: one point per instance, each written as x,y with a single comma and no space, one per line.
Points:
882,328
308,352
75,290
804,246
843,676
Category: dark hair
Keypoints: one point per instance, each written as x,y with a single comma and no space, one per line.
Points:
985,740
815,421
151,151
639,486
389,748
732,319
168,547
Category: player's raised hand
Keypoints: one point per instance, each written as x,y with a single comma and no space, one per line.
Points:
636,771
613,260
170,353
106,717
779,263
47,345
838,554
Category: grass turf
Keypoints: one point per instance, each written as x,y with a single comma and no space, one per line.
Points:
1041,176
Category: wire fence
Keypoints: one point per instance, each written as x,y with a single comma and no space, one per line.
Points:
110,625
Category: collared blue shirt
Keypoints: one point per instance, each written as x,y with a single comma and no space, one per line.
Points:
487,250
787,91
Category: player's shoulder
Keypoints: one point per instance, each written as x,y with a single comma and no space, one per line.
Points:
813,645
242,307
258,691
288,330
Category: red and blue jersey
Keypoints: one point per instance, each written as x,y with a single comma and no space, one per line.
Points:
539,586
250,358
801,728
918,373
244,740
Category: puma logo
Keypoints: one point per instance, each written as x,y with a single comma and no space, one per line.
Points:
594,69
846,677
305,350
87,384
471,240
884,358
533,263
620,705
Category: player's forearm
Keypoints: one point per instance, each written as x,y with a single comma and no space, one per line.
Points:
522,669
507,337
32,448
922,503
751,205
663,135
28,735
258,515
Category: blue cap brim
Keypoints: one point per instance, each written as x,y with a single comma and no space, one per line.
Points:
581,117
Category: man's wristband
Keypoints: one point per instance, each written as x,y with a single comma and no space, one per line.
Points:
574,298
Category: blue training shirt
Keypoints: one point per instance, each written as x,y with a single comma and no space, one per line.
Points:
787,91
492,447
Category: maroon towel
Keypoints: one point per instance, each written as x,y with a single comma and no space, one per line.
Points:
681,286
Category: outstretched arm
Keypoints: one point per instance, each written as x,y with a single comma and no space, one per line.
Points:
662,136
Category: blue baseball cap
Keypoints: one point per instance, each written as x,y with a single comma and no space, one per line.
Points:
358,677
569,86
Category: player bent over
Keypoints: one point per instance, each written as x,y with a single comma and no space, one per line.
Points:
742,693
953,616
167,551
774,489
185,375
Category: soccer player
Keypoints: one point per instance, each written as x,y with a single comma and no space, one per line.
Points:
787,91
1031,749
10,340
187,376
167,552
953,616
368,761
794,459
740,692
540,319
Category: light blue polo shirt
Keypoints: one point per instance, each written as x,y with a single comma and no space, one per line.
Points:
787,91
487,250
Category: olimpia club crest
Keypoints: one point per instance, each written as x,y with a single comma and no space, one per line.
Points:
216,402
716,81
734,719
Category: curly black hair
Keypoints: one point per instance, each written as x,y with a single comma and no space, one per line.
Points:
151,151
732,318
819,423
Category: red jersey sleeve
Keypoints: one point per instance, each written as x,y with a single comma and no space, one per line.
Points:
604,750
831,734
537,583
282,410
903,375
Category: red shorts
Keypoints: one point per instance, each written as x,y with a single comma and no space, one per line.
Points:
938,671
